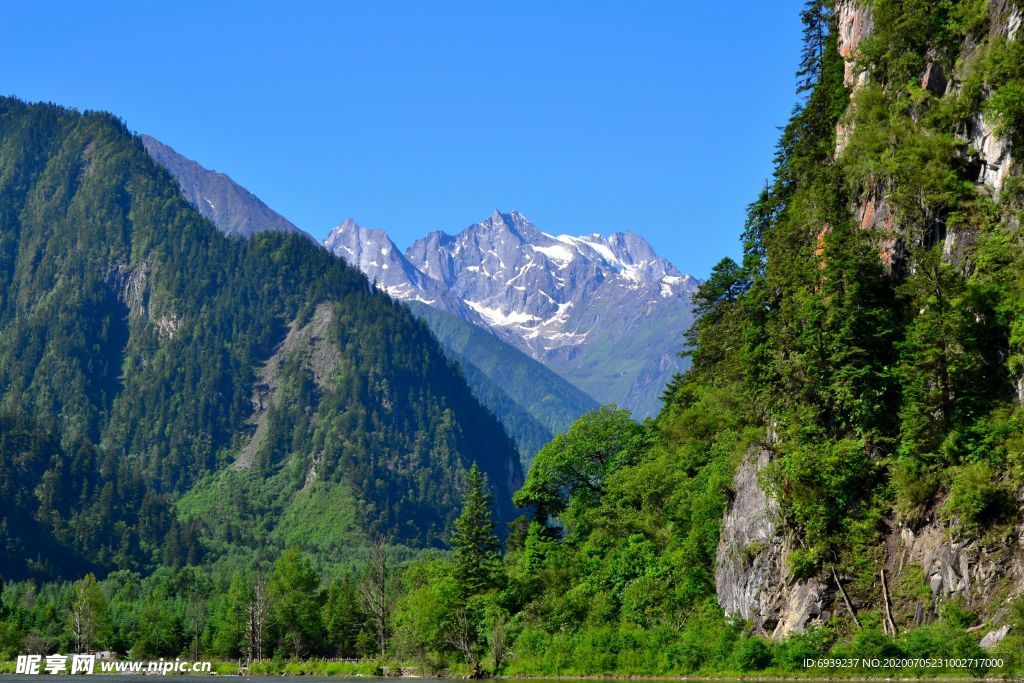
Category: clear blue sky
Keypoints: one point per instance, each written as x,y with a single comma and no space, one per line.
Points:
658,117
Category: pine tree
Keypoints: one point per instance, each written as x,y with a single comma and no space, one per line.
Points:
477,549
815,17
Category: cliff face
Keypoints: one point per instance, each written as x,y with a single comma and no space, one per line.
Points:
752,576
754,579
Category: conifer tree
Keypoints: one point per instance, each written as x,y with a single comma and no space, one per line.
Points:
477,549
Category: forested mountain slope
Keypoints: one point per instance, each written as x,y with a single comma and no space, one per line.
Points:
531,401
879,304
141,349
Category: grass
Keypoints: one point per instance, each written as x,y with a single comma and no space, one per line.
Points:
314,667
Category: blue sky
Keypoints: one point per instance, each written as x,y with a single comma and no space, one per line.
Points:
657,117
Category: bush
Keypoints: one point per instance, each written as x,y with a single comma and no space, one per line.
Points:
811,644
915,485
976,499
752,654
956,615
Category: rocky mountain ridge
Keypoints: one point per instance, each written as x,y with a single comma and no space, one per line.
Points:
232,208
605,313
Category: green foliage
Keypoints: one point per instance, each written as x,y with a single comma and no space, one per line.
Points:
574,466
823,486
88,618
869,343
476,547
532,402
343,619
142,351
422,617
294,590
977,500
752,654
230,618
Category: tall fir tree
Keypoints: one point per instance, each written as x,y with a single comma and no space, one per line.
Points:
477,548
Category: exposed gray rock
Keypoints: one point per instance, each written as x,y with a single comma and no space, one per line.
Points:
959,567
1004,19
946,563
372,251
308,341
228,205
606,313
993,638
751,575
993,151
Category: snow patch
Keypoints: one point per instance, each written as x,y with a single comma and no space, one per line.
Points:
556,252
496,317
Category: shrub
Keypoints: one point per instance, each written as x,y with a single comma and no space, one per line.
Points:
752,654
976,499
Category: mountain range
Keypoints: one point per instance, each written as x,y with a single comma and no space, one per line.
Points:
531,401
604,313
548,355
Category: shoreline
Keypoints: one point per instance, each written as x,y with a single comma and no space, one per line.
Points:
369,670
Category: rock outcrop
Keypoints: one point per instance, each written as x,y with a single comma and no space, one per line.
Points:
937,563
308,340
753,581
752,577
854,21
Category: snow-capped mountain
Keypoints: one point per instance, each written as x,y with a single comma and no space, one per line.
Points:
606,313
373,252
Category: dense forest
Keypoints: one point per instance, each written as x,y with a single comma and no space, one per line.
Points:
867,346
143,353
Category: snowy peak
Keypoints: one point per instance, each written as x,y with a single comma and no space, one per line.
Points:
513,223
372,251
590,307
367,248
625,255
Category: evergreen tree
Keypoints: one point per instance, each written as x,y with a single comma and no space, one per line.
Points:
477,548
229,632
342,618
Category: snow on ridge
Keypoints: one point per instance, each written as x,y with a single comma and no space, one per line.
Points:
604,251
496,317
556,252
